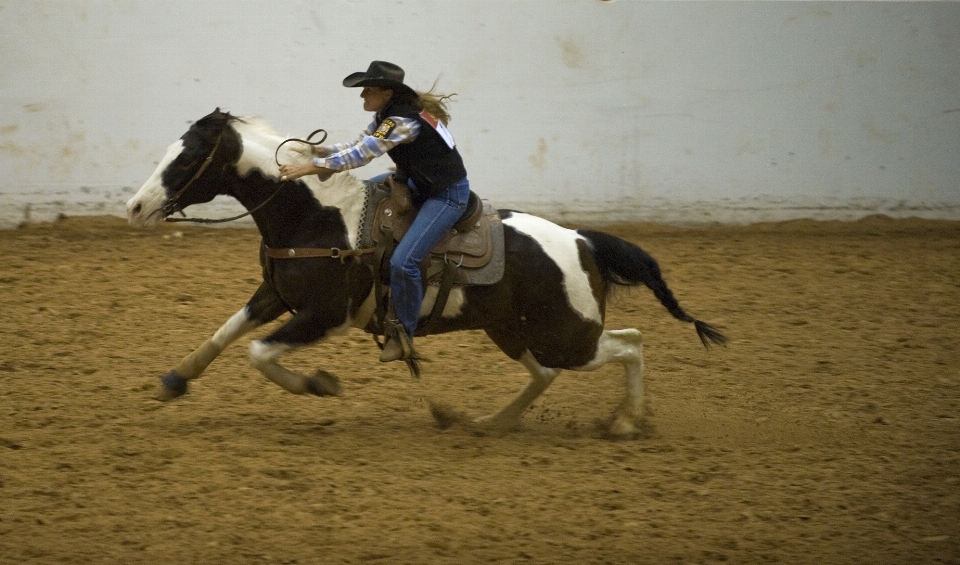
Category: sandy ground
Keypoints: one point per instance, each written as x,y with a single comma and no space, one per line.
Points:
826,432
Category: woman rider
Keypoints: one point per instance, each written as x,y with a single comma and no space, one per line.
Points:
410,128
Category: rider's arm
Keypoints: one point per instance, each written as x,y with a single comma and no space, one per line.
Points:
323,151
372,144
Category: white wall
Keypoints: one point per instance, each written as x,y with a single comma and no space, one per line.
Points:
583,110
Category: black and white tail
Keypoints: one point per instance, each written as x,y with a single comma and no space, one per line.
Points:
623,263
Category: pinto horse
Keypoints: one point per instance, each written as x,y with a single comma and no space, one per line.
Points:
547,311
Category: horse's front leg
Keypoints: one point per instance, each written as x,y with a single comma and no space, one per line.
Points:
302,329
262,308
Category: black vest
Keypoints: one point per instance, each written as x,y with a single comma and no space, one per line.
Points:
428,160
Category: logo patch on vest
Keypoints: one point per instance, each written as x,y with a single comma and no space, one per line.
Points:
386,126
441,129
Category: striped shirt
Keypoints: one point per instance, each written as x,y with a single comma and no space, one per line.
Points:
370,145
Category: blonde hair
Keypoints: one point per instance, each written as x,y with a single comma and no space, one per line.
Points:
436,104
432,102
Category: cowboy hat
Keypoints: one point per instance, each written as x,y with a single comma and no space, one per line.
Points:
381,74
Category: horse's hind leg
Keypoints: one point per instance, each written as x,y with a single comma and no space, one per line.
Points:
626,348
540,379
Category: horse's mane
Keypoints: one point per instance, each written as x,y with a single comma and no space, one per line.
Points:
265,140
260,145
255,128
255,124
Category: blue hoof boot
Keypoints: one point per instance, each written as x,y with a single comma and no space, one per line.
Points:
173,386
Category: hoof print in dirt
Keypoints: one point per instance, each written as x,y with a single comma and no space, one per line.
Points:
446,416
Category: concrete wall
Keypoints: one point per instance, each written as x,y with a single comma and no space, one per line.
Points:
583,110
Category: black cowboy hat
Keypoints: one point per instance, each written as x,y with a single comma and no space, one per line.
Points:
382,74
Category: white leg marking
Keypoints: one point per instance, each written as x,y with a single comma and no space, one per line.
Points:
192,365
238,325
263,356
626,348
560,244
262,353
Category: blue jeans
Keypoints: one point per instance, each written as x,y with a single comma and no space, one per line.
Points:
436,217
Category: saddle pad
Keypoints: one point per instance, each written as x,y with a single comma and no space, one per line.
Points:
492,271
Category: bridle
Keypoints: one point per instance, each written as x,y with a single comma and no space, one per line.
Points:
172,205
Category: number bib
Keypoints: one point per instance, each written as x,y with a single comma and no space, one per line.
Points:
439,127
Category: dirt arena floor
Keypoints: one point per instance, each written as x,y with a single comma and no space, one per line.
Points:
827,431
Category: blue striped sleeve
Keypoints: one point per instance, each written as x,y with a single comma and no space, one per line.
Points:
372,144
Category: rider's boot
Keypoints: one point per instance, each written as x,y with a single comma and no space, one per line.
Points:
395,348
399,345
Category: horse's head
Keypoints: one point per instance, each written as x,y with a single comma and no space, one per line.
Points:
188,172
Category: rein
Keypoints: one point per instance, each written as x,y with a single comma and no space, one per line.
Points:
276,153
230,219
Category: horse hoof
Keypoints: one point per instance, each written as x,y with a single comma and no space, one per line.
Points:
623,429
172,385
323,383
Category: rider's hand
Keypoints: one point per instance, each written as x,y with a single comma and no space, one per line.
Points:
295,171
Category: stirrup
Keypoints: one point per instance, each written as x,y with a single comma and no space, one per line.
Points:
399,347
